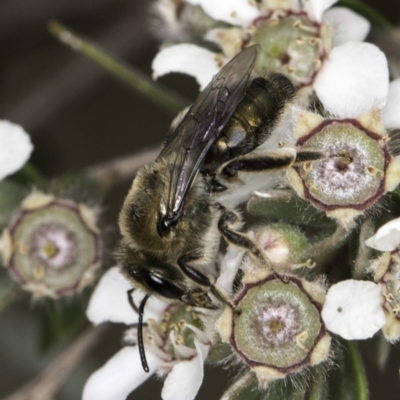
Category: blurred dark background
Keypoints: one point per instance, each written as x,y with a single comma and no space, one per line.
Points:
79,116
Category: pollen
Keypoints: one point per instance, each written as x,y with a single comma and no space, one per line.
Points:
300,338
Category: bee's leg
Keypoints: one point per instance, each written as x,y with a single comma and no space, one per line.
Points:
201,279
229,219
226,223
308,156
251,163
271,162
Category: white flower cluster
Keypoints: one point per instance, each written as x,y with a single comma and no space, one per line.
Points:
321,50
15,148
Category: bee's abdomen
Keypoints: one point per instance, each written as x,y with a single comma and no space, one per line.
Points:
254,119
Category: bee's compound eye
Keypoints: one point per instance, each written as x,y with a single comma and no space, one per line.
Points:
163,287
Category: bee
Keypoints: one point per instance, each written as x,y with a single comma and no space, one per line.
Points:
176,210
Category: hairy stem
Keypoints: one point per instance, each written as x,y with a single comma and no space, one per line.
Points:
358,370
134,78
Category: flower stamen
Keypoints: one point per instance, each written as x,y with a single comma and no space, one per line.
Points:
300,338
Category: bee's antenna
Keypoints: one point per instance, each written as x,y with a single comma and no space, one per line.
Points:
140,334
140,311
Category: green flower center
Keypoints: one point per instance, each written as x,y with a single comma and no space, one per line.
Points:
53,249
353,174
50,249
291,44
278,324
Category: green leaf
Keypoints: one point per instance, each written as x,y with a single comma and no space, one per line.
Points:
287,389
245,388
218,353
348,380
319,386
11,196
249,392
283,206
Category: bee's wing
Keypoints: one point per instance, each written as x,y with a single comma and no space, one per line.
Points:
186,148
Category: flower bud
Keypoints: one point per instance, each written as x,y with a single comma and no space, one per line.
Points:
285,245
52,247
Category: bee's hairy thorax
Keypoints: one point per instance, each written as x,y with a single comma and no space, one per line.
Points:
146,203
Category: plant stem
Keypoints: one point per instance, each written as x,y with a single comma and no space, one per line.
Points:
134,78
47,384
358,368
30,173
109,173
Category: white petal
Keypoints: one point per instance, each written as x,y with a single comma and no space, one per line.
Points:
228,39
353,79
186,377
353,309
347,25
230,264
120,375
235,12
315,8
109,301
15,148
391,112
186,59
387,237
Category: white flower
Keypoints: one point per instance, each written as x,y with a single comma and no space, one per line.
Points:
296,39
358,125
353,80
353,309
166,349
387,238
15,148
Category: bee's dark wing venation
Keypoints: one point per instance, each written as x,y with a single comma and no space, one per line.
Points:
202,125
